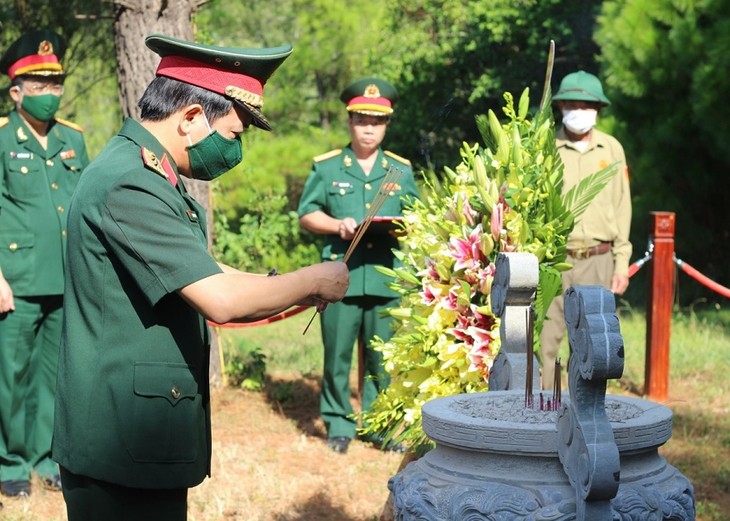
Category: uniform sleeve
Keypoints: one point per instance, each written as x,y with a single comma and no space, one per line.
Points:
622,205
314,193
153,234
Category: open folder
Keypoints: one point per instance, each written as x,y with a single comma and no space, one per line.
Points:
383,224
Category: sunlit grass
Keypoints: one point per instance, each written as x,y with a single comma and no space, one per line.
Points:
698,385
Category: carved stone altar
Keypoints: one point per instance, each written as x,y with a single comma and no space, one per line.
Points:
596,458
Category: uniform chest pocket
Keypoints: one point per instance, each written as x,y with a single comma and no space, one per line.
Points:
167,413
341,198
24,178
73,165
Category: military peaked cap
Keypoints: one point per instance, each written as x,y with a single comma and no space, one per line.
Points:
239,74
36,53
371,96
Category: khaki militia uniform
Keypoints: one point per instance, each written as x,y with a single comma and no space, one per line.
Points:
338,187
598,246
35,189
133,404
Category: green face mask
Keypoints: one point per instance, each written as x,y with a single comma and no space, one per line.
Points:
214,155
42,107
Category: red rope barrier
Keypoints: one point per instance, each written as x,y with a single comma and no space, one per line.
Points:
281,316
702,279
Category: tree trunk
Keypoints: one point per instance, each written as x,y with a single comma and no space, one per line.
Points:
134,20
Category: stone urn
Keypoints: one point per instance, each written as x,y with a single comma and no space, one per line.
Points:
507,455
496,460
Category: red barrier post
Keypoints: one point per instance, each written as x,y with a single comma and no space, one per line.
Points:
659,305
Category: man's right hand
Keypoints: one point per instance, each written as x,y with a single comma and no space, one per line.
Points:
330,279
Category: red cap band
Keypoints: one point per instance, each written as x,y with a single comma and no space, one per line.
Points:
207,76
363,100
35,63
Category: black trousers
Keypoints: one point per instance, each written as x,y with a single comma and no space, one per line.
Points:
89,499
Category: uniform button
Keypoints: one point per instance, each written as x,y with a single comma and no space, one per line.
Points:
369,245
49,162
391,193
60,209
333,256
175,392
73,168
64,233
23,169
342,191
54,186
367,205
13,246
368,186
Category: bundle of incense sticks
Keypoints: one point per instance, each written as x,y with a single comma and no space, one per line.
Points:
529,350
557,383
391,178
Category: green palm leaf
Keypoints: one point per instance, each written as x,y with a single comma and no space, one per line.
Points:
577,199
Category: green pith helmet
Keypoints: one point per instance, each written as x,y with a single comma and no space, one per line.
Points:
239,74
36,53
581,86
371,96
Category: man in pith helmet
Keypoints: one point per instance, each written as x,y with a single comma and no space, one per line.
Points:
598,247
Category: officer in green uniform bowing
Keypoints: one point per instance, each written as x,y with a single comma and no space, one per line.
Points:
132,428
337,196
41,159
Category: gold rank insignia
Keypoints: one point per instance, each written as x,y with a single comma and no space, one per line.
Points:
22,136
347,161
384,163
159,166
4,121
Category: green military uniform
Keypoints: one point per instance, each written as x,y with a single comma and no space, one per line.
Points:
338,186
35,189
598,246
132,427
133,404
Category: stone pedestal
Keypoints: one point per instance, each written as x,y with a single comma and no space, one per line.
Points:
496,460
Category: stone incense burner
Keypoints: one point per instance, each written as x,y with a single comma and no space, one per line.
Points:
498,456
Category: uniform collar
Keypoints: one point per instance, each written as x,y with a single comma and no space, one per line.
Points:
25,137
350,165
598,140
134,131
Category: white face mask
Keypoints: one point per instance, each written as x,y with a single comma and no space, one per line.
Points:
580,121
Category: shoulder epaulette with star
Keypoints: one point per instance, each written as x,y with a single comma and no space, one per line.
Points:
396,157
159,166
69,125
328,155
4,121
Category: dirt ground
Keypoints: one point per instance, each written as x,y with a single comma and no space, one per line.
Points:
270,463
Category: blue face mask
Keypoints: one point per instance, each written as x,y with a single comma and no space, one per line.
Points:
214,155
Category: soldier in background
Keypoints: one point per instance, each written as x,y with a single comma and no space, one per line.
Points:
337,196
598,247
41,159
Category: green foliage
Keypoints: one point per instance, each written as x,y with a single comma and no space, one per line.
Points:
664,67
247,370
451,60
267,237
89,62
